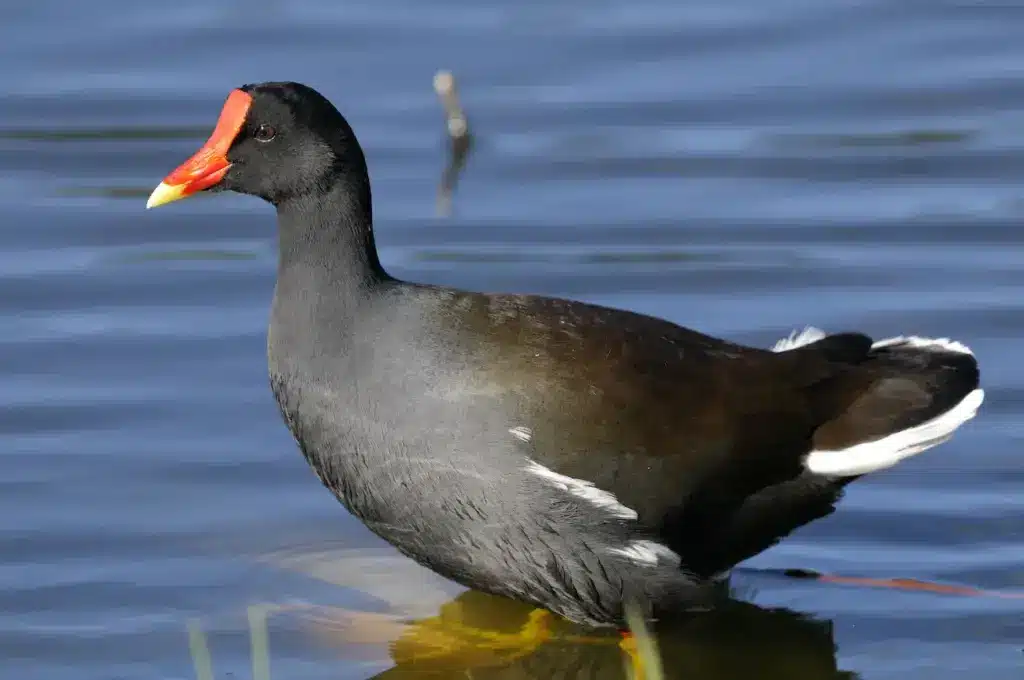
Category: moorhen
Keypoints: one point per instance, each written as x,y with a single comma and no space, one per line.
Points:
569,455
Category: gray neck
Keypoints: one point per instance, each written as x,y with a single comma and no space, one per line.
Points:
327,270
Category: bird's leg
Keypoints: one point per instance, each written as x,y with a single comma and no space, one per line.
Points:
628,644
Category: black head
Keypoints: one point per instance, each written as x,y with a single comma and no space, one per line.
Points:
277,141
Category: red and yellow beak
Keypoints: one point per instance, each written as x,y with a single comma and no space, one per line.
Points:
208,165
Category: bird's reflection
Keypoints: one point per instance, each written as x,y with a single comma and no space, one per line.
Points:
431,628
482,637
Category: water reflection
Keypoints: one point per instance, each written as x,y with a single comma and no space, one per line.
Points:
417,627
475,635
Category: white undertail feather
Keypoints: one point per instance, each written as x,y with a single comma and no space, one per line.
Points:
885,452
799,339
812,334
933,344
583,490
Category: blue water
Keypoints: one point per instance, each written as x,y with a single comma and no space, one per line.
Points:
740,167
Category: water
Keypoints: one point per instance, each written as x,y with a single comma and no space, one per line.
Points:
743,168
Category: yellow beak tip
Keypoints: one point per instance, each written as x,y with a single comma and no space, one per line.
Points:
164,193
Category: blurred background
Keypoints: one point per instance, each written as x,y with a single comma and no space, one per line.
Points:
744,167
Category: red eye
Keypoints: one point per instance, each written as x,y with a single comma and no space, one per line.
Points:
264,133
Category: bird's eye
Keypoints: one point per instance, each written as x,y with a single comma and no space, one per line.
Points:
264,133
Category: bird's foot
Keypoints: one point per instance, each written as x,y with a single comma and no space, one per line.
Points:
635,661
448,637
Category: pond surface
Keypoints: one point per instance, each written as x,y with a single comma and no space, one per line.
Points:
744,168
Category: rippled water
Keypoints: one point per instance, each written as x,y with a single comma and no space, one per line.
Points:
743,168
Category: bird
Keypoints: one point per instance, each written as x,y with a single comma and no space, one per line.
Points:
586,460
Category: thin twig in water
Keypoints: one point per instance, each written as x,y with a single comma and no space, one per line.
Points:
460,139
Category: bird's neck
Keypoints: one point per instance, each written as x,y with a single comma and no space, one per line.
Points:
332,231
327,269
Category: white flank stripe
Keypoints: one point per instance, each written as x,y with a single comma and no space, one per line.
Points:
583,490
885,452
648,553
521,433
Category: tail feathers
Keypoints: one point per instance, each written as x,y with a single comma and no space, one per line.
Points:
847,348
919,392
799,339
934,345
878,454
912,395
